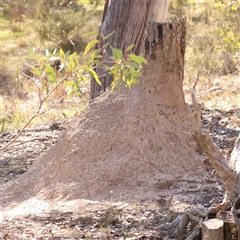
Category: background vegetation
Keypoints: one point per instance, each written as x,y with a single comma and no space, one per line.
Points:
213,50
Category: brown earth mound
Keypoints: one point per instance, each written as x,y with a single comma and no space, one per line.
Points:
128,144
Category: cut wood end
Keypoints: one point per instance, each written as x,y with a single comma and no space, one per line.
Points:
213,224
213,229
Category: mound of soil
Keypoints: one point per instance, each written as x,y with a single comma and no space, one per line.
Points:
127,145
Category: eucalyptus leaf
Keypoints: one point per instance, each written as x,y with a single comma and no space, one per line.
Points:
93,33
117,53
137,59
108,36
90,46
61,52
93,73
50,74
129,48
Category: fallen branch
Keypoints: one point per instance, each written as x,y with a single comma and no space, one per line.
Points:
227,172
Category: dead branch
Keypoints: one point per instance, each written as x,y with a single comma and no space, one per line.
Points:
196,105
218,160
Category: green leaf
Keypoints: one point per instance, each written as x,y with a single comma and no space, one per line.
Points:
129,48
114,70
51,74
36,71
117,53
95,55
137,59
42,59
61,52
108,36
72,55
67,54
93,33
90,46
135,65
71,66
93,73
105,45
106,67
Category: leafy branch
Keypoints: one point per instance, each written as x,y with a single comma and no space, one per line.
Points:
56,68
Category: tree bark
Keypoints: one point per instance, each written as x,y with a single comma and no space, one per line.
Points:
128,20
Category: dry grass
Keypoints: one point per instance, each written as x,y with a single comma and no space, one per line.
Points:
222,92
14,113
18,95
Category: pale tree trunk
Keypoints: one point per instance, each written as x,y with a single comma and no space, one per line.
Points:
128,20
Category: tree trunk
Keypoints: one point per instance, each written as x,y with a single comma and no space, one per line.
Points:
128,20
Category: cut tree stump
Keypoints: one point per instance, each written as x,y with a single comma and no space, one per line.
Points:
213,230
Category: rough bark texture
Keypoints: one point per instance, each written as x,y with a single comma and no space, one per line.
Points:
128,21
